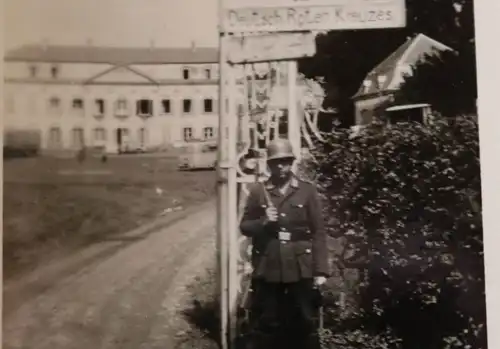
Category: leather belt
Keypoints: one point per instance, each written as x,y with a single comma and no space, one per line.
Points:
286,235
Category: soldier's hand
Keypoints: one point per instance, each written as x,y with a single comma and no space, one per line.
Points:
271,214
319,280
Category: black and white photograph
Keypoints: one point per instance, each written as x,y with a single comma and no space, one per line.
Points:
243,174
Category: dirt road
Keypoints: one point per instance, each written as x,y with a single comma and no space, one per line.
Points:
123,293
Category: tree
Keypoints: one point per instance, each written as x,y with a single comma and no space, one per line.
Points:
344,57
447,81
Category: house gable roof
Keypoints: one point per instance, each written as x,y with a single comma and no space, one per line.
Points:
112,55
406,55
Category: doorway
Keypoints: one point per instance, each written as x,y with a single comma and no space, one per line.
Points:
121,134
78,138
55,138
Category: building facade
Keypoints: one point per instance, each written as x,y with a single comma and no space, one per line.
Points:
116,98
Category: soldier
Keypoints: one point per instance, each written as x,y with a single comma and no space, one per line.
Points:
289,257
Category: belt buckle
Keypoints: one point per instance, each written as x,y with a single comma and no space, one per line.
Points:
284,236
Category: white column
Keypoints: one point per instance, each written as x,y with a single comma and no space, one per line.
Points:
293,120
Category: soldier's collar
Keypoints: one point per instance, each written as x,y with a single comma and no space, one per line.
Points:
294,183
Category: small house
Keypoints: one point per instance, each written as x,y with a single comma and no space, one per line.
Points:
377,89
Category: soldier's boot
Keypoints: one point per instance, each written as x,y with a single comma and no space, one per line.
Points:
261,341
312,341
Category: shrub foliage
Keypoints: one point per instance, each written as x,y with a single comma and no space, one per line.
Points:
407,199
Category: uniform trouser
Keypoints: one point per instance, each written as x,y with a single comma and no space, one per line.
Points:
275,304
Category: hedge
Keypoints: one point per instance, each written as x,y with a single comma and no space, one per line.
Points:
407,199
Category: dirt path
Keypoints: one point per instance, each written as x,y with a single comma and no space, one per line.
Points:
121,294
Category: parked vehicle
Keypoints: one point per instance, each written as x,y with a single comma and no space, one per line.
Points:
198,155
21,143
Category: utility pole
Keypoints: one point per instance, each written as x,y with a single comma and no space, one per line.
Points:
222,188
227,189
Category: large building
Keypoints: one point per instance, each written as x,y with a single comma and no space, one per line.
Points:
78,96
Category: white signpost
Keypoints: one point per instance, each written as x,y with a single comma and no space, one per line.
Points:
315,15
271,47
271,30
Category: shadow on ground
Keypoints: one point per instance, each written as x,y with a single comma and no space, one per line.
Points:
202,314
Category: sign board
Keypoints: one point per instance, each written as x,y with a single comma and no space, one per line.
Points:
238,4
271,47
314,15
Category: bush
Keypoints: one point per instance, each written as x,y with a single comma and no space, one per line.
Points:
407,199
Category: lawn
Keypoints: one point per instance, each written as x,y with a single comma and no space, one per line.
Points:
53,204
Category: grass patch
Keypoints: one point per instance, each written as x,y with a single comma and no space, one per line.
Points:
54,204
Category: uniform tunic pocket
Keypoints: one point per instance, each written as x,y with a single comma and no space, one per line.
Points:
298,211
303,250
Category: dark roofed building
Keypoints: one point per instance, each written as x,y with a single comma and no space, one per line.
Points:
382,81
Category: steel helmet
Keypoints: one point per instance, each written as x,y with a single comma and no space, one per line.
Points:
280,149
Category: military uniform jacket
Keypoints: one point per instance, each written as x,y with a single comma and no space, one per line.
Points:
303,253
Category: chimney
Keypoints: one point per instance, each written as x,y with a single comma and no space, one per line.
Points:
45,44
193,45
89,42
151,44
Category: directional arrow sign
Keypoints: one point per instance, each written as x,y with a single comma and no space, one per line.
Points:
271,47
315,15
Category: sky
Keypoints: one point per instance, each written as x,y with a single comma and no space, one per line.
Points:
111,22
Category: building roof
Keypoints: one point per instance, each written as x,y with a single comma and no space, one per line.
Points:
113,55
408,106
407,54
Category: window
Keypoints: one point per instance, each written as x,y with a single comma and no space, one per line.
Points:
54,102
77,137
122,136
33,71
186,106
99,134
54,105
55,139
367,84
121,107
381,79
100,106
185,73
208,132
208,106
78,104
54,71
141,135
208,73
144,107
187,133
166,107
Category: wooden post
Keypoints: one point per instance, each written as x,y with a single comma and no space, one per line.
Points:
232,206
293,120
222,186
